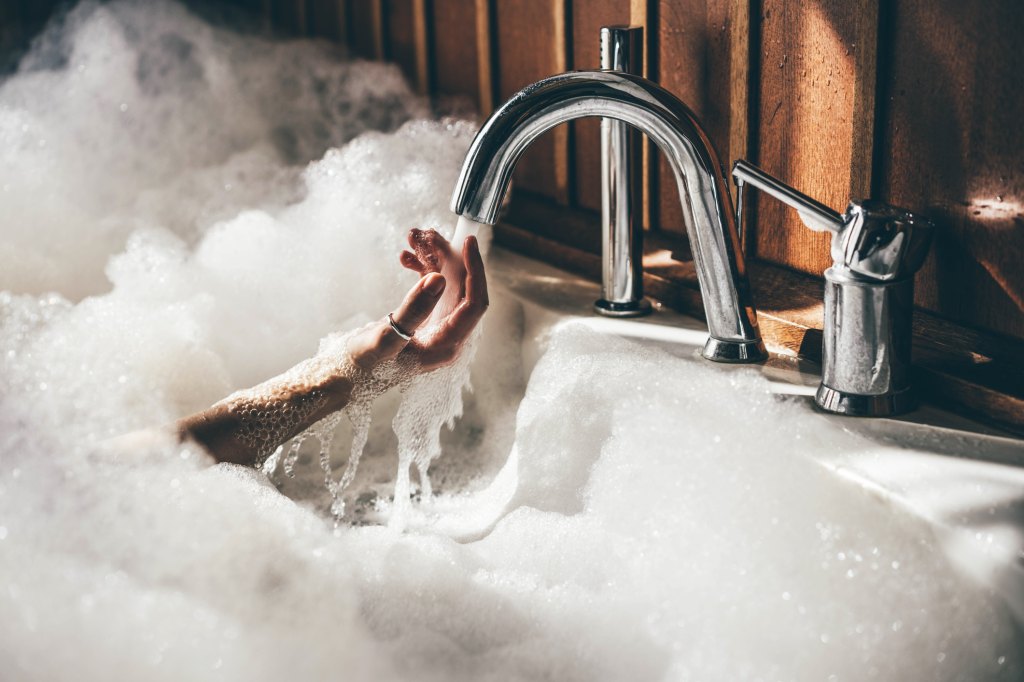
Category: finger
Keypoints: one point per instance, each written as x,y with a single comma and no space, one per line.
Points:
410,261
379,342
419,303
445,344
424,244
476,277
461,322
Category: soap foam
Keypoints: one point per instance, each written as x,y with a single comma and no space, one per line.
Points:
634,516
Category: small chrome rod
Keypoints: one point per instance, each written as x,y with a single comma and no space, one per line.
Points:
814,214
622,291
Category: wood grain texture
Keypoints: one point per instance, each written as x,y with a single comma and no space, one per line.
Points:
289,16
366,29
694,46
487,56
455,57
644,13
327,19
532,45
740,45
808,103
588,16
952,146
401,40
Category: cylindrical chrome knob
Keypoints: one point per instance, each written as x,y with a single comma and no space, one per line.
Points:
621,191
866,346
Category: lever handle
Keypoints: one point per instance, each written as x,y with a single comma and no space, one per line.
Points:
814,214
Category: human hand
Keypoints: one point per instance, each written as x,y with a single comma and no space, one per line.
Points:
439,312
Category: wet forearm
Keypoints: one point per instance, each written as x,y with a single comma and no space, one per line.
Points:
249,426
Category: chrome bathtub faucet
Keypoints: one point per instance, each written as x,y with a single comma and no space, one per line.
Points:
622,277
869,296
703,189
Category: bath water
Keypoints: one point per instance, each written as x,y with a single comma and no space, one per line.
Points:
188,211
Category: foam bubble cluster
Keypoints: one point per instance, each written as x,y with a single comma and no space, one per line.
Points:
137,114
612,512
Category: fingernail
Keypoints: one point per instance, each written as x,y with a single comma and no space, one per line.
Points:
434,284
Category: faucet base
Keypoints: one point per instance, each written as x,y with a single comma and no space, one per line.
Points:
717,350
856,405
630,309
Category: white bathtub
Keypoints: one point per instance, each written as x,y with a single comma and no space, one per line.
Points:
961,483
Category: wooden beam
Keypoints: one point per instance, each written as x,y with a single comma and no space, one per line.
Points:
377,25
865,88
640,14
421,36
485,56
739,96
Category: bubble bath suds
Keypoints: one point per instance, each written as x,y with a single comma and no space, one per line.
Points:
186,212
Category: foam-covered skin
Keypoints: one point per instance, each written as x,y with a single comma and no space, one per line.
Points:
653,533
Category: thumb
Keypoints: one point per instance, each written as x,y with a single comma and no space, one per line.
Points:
419,303
411,314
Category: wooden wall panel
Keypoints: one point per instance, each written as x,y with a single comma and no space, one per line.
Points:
694,46
365,23
953,145
809,116
531,45
326,19
401,29
588,16
457,54
289,16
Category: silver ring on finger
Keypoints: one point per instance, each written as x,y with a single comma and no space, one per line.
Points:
398,330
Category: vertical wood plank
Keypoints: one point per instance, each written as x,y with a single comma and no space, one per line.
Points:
327,19
865,87
487,55
365,23
407,40
289,16
456,49
643,13
739,101
588,18
531,46
952,146
402,36
694,64
807,109
422,35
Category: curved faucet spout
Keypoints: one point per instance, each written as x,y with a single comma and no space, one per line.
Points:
703,190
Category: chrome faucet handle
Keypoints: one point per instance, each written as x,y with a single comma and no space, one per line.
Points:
869,296
814,214
880,241
872,240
